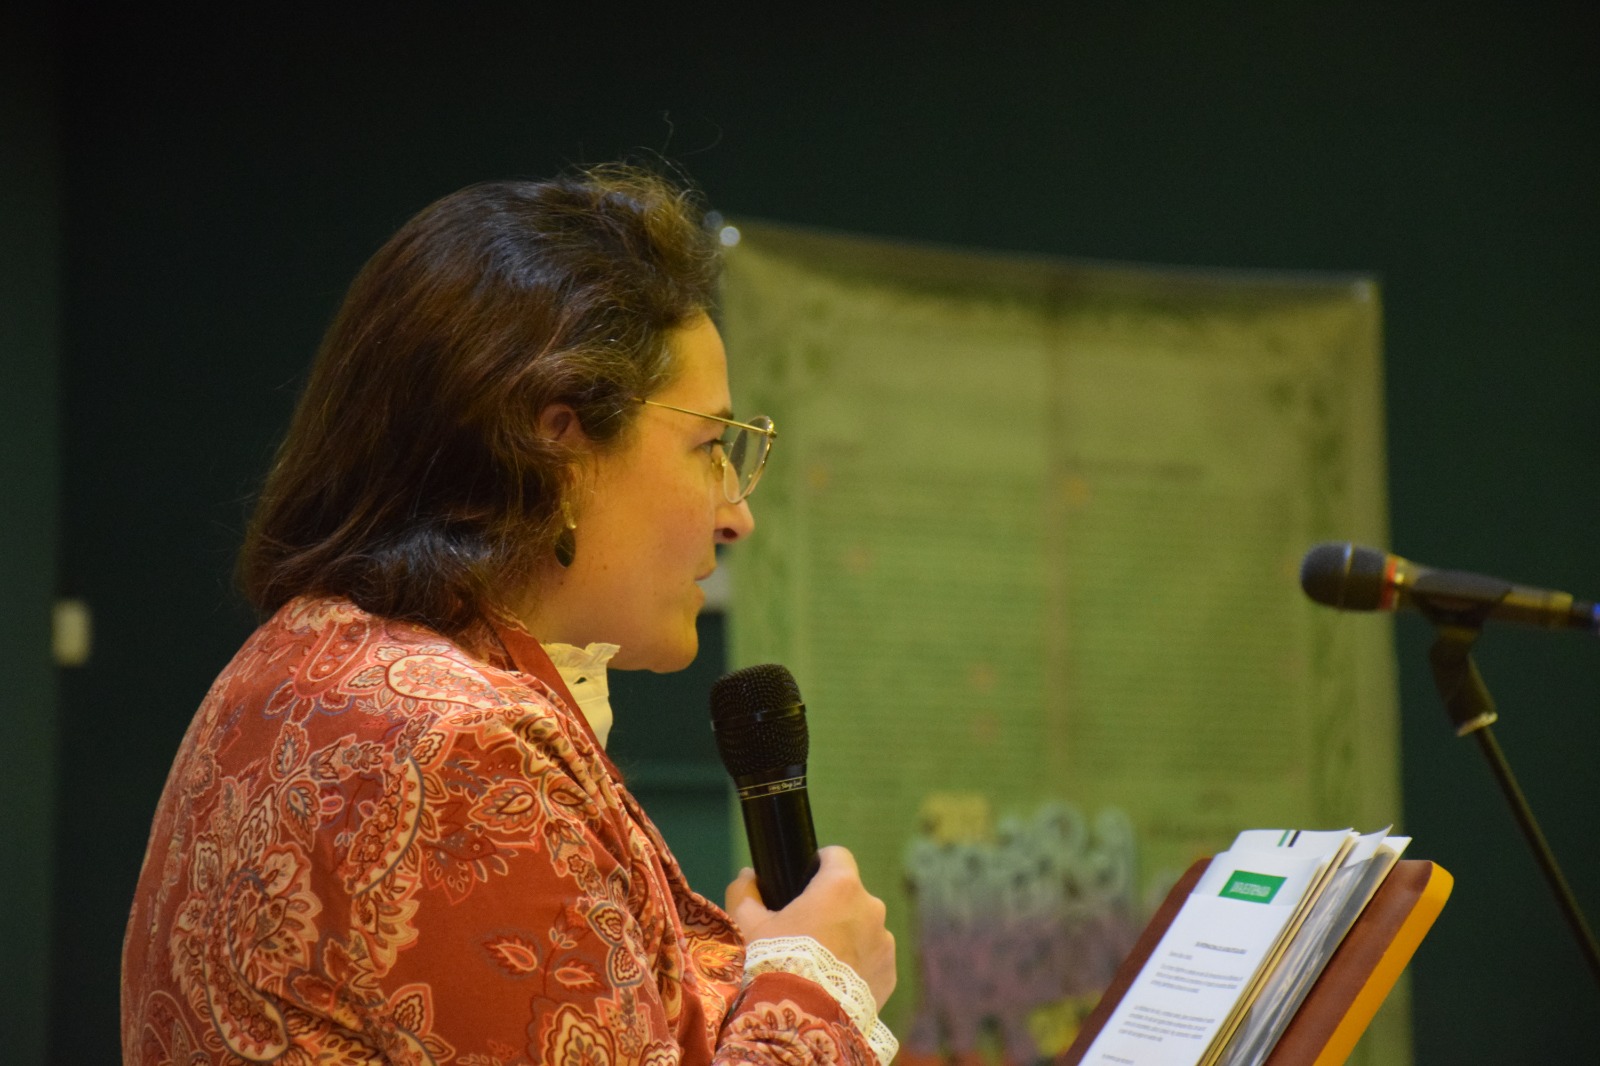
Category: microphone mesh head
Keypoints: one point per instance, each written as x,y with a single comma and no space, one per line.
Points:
759,720
1344,575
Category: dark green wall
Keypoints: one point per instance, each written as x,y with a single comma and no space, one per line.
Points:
223,175
29,465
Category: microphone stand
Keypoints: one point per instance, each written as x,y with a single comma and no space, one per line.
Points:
1471,709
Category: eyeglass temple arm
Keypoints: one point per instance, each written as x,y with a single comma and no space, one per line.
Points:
769,432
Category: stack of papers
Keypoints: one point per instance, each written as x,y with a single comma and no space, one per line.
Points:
1247,945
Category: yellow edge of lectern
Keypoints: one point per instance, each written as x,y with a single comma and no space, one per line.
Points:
1429,903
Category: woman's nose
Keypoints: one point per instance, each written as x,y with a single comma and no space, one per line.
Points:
735,522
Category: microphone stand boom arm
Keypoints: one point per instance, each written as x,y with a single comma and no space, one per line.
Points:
1471,709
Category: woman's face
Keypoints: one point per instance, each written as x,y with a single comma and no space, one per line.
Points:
649,516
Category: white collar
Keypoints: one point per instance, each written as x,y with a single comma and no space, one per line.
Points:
584,671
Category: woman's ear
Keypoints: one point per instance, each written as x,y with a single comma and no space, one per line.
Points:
560,423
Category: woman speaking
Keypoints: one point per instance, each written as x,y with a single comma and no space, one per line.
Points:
391,833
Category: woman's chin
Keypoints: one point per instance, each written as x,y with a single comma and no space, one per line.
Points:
660,660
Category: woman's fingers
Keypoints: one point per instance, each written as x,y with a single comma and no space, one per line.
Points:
743,903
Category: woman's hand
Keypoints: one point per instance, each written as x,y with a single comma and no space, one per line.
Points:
836,910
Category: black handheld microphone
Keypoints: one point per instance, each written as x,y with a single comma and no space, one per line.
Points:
1354,578
760,726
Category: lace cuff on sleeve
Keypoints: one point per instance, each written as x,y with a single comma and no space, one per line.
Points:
805,957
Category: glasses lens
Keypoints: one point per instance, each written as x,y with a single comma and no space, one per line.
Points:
747,454
731,482
739,449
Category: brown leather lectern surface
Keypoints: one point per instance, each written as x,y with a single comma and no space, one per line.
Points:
1352,986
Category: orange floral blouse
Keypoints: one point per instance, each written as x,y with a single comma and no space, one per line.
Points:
377,847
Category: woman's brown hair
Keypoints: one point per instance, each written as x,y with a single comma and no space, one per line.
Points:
413,479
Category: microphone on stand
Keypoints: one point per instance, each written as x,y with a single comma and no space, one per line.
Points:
1355,578
760,726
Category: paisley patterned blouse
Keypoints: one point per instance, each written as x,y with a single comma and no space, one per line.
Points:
376,846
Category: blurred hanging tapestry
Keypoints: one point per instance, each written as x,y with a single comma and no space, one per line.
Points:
1029,543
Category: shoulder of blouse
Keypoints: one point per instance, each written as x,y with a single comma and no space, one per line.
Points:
334,649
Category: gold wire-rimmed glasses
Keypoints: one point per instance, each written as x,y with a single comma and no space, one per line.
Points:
743,456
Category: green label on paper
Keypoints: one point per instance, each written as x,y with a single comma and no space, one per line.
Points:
1252,888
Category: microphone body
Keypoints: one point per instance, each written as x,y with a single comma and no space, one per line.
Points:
760,727
1356,578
